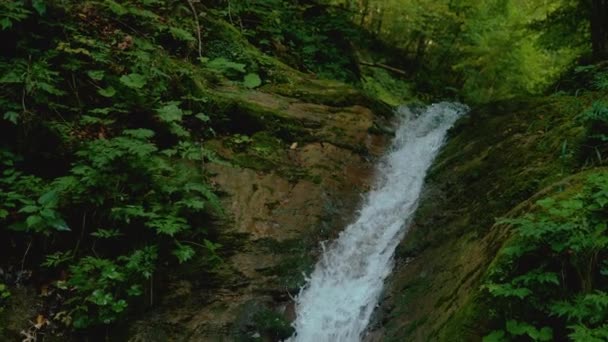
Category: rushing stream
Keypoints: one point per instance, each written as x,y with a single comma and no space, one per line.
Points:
343,290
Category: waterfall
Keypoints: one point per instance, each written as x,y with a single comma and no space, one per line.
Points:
340,296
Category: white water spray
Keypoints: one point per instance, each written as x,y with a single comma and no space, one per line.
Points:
341,294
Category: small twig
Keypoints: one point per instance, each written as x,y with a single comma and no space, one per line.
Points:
75,89
241,25
193,243
23,101
29,245
24,93
152,290
386,67
202,158
129,27
62,118
198,28
84,223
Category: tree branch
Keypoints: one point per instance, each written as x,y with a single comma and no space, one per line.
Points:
385,67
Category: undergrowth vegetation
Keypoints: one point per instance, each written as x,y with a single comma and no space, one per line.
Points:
102,179
551,280
305,34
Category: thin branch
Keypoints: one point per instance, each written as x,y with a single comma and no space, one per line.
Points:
386,67
75,89
193,243
84,224
198,28
202,158
29,245
152,290
24,93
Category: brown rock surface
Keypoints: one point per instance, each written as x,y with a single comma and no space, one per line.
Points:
282,198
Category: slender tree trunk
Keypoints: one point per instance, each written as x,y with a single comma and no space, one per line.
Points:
364,12
378,22
420,51
599,29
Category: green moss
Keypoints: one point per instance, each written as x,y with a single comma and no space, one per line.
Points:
296,261
224,40
380,84
477,310
273,325
256,322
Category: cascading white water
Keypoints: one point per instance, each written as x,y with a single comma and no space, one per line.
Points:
339,298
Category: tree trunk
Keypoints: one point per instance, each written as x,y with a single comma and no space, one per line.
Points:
364,12
599,29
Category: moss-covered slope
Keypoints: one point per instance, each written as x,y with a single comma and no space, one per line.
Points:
496,160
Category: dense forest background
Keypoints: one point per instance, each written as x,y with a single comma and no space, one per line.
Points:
106,106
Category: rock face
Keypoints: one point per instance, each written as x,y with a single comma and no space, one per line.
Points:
478,177
290,179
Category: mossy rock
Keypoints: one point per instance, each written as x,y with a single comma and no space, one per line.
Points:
256,322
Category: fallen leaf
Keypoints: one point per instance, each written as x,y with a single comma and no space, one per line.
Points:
40,322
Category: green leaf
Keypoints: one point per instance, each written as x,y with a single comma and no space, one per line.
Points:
119,306
252,80
202,117
495,336
508,290
56,259
183,252
140,133
116,8
29,209
59,224
5,23
169,225
11,116
133,80
49,198
181,34
33,221
170,112
211,246
222,64
39,6
517,328
544,334
96,75
100,297
106,233
107,92
134,290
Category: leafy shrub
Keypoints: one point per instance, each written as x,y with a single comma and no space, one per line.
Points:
100,155
308,35
551,281
596,121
